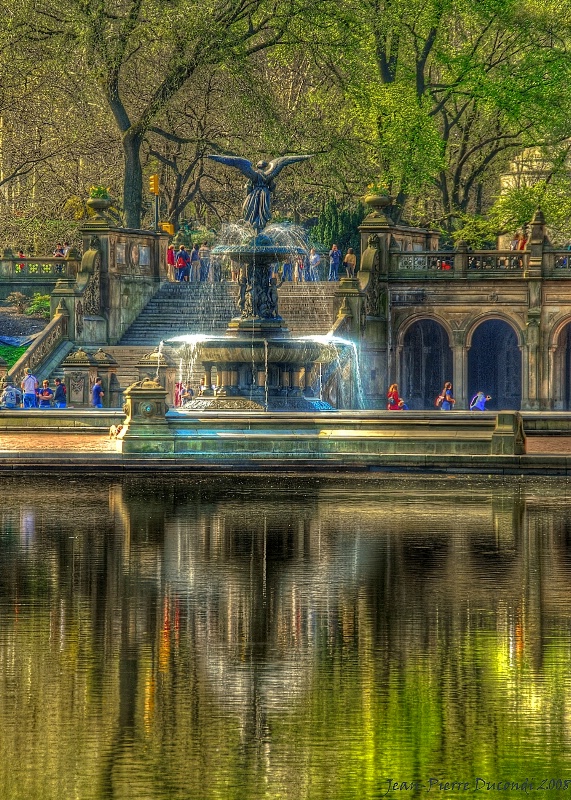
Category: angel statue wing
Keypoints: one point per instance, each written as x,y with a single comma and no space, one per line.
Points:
239,163
276,166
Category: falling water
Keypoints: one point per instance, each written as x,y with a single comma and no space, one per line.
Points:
159,355
335,342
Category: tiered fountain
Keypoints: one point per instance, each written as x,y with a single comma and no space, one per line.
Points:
258,364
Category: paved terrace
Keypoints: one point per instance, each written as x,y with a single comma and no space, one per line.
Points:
67,441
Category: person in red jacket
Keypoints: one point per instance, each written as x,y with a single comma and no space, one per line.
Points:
394,402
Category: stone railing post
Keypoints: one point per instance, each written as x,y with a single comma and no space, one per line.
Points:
508,438
145,429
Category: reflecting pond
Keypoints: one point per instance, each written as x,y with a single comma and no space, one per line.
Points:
254,638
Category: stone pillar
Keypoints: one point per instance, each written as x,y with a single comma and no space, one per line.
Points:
145,428
461,260
531,365
460,370
524,378
207,390
79,374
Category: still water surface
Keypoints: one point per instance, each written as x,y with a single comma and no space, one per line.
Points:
178,639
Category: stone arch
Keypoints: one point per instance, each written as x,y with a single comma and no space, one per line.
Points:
425,360
477,321
409,321
495,361
560,363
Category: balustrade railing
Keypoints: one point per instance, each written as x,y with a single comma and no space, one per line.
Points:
471,262
45,343
45,267
421,262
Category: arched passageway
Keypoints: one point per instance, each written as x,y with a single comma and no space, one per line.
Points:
494,365
562,370
426,363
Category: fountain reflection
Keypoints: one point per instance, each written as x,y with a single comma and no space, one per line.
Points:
182,640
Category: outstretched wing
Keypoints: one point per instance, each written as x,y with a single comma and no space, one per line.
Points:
276,166
242,164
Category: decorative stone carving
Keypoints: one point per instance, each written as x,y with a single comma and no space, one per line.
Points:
92,293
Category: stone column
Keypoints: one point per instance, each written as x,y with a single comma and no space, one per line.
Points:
207,390
524,378
531,365
460,370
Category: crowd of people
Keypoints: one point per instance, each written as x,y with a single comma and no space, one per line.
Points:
198,265
30,394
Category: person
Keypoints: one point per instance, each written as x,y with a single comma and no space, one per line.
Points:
314,262
194,264
287,271
45,395
59,252
298,270
478,402
29,386
171,261
97,394
350,262
334,262
66,248
182,264
204,255
11,396
394,402
60,399
446,398
186,394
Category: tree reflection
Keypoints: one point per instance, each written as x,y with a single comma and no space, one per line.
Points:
176,640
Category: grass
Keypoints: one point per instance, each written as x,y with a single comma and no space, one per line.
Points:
11,354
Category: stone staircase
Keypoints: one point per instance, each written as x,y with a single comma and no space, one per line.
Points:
179,308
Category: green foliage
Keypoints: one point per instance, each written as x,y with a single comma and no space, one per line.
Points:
99,192
20,300
517,207
11,354
476,231
39,306
337,225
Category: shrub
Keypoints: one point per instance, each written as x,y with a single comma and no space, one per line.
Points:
11,354
21,301
39,306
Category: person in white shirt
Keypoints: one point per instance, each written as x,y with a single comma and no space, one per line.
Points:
29,386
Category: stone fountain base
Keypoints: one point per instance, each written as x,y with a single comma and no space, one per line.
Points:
256,403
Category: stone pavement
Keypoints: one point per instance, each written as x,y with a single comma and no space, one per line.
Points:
56,441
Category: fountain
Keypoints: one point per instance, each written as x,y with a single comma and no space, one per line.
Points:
258,364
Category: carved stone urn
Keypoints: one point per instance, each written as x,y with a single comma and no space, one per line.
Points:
99,205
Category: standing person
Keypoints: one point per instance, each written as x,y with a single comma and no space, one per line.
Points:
394,402
171,261
11,396
478,402
314,262
45,395
182,264
29,386
287,271
334,262
350,262
204,255
446,398
298,270
59,252
194,265
97,394
60,398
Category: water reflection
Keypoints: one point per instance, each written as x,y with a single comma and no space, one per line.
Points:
178,639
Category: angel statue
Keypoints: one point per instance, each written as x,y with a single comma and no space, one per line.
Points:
257,205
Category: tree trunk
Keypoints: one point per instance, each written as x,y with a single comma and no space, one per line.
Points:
133,180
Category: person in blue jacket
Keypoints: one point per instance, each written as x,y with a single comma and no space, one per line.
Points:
478,402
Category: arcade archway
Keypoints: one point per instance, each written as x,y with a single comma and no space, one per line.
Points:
494,365
426,363
562,370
